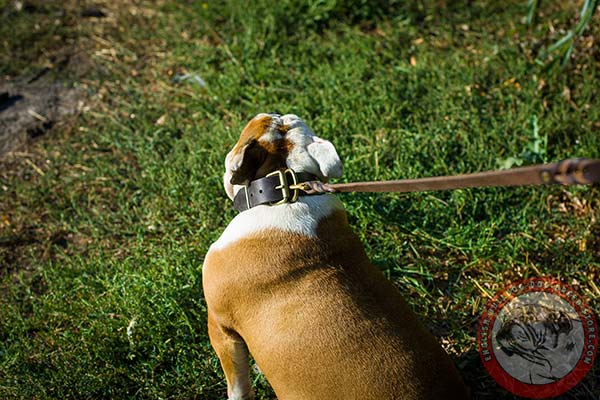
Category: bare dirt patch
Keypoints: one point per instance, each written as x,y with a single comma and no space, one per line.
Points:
45,54
31,107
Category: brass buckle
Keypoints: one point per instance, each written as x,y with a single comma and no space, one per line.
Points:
289,193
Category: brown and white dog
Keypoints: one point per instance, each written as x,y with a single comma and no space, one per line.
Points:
292,285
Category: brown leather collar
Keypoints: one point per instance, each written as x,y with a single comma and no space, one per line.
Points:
276,188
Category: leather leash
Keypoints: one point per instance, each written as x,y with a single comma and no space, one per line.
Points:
283,186
575,171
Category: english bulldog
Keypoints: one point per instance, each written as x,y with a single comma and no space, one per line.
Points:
290,283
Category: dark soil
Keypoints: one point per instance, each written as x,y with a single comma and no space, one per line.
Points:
47,54
31,107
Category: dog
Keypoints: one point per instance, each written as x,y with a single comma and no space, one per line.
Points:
291,285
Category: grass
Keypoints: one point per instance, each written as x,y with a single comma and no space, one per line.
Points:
101,245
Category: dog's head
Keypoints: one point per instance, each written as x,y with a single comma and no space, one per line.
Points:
270,142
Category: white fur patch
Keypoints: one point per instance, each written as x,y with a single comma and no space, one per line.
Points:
240,388
272,134
310,153
328,159
300,217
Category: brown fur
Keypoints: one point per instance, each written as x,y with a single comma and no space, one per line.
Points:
259,156
320,320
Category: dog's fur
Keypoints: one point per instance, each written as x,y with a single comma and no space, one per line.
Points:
292,285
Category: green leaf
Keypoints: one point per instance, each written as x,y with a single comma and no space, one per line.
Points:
532,7
561,42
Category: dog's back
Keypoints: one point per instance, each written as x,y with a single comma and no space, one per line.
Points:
321,321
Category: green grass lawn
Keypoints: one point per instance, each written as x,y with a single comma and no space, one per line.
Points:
104,222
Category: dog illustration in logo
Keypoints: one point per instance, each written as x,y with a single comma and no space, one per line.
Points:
532,332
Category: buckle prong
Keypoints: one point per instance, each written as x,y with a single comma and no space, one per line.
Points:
247,197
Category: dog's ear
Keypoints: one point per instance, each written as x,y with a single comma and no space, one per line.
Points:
242,164
246,162
323,152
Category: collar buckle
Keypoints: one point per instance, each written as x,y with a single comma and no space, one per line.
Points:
289,192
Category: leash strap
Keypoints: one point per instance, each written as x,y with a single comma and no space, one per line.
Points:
283,186
575,171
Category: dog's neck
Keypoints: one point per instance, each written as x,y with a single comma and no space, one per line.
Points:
301,217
